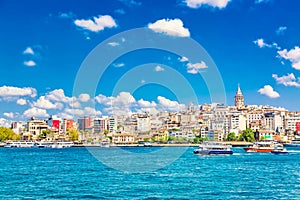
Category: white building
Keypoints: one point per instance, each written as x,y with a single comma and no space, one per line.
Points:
143,123
291,120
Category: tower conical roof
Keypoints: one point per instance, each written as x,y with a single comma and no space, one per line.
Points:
239,92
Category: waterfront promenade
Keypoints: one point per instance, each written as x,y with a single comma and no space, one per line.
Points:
234,144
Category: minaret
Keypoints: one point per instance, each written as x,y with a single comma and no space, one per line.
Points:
239,98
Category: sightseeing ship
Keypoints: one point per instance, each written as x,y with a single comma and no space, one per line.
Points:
213,148
261,147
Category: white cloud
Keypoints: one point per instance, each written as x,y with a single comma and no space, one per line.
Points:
5,123
169,105
172,27
292,55
289,80
183,59
196,67
97,24
9,114
146,104
269,91
143,81
44,103
75,104
22,102
35,112
281,30
81,112
261,1
119,105
159,68
214,3
84,97
260,42
9,91
58,95
28,50
113,44
119,65
30,63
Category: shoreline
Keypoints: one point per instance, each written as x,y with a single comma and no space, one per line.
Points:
233,144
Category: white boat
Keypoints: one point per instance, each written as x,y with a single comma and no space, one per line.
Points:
213,148
105,144
43,144
147,144
62,144
19,144
279,149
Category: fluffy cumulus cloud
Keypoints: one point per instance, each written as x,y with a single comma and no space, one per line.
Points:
214,3
21,102
9,114
288,80
29,63
5,123
44,103
159,68
97,23
269,91
10,91
58,95
169,105
35,112
84,97
146,104
118,105
194,68
28,50
82,112
292,55
172,27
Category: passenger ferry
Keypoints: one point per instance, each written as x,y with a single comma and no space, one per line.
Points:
19,144
213,148
261,147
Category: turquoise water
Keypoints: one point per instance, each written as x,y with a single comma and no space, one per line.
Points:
75,174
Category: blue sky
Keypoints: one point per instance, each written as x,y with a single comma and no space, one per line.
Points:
44,43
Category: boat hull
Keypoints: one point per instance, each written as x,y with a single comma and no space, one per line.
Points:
279,152
213,152
258,150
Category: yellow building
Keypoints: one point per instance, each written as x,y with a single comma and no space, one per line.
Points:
123,138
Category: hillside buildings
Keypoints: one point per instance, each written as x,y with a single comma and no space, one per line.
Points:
213,121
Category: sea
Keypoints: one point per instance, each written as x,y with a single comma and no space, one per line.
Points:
103,173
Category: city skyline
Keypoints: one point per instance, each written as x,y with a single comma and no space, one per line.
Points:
253,43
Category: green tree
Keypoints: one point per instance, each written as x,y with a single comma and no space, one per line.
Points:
73,134
247,135
197,140
106,132
231,137
8,134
